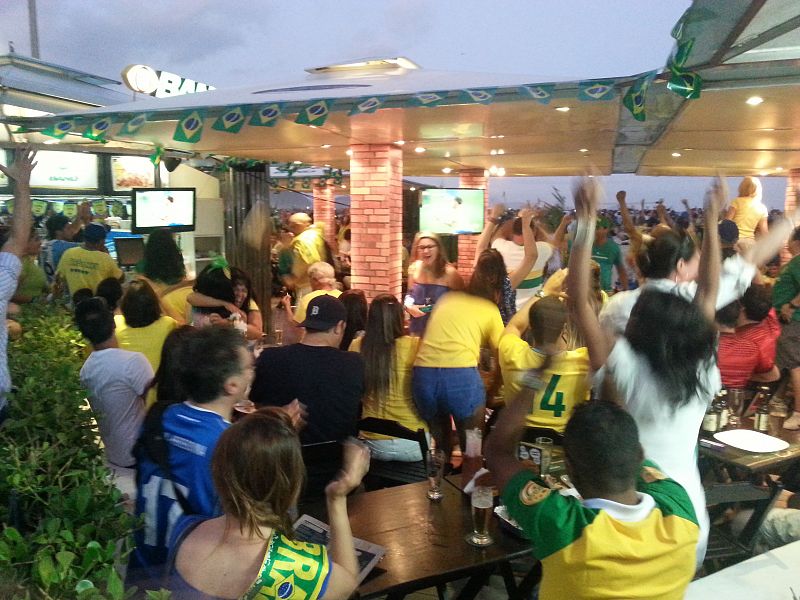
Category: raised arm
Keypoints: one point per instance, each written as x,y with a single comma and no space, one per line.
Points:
517,276
521,319
627,222
203,301
578,278
664,217
561,231
485,239
710,259
20,172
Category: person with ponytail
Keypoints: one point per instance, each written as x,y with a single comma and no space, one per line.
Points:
388,360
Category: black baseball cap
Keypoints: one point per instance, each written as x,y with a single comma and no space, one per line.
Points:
323,313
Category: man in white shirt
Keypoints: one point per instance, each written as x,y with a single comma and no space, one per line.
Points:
513,252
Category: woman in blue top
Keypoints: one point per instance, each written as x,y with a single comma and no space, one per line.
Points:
429,277
250,552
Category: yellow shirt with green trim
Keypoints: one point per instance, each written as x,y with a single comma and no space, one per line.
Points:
597,548
148,340
567,381
307,248
82,268
459,326
398,405
302,304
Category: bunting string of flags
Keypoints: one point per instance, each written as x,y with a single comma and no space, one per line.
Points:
366,106
634,99
315,113
61,128
232,120
541,93
266,115
98,128
596,91
190,127
134,124
686,83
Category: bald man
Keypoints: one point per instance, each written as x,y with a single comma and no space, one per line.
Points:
308,247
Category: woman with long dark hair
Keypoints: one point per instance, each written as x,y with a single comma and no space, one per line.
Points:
163,267
355,302
664,367
388,360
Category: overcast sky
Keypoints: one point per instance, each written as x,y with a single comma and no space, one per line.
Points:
233,43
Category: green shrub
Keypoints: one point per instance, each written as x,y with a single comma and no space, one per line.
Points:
63,526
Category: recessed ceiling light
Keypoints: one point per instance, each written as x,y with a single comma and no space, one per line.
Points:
779,169
327,166
768,129
344,187
764,173
676,154
297,162
501,172
583,150
413,189
399,142
49,142
419,149
349,153
501,151
446,170
313,126
325,146
447,155
492,151
500,137
562,109
754,100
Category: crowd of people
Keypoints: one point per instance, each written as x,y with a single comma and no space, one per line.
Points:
617,357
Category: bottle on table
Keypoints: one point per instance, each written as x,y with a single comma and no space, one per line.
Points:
711,419
721,402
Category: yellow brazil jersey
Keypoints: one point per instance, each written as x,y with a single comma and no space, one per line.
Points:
148,340
302,304
602,549
459,326
567,381
399,404
82,268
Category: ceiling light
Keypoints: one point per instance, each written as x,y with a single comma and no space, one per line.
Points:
501,172
563,109
313,126
297,162
768,129
419,149
447,155
676,154
779,169
501,151
48,142
327,166
446,170
754,100
501,136
492,151
583,150
399,142
349,153
763,173
413,189
325,146
493,170
344,187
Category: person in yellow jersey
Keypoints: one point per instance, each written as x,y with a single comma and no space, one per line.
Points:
565,372
748,211
322,280
446,381
88,264
631,534
308,247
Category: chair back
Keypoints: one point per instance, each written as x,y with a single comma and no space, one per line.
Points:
323,461
394,429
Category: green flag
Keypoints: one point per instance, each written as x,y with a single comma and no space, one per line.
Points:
157,155
634,99
39,207
70,209
540,93
133,124
100,208
266,115
596,91
190,127
681,53
61,128
366,106
231,120
10,206
428,99
484,96
687,84
315,113
98,129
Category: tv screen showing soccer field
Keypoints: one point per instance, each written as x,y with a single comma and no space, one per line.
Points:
452,211
165,207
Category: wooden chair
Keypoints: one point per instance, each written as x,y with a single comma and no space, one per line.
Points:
725,548
384,473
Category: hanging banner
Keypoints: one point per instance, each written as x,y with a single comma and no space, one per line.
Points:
156,156
687,84
596,91
681,53
427,99
98,129
266,115
134,124
366,106
38,207
540,93
484,96
190,127
231,120
60,128
100,208
70,210
635,97
315,113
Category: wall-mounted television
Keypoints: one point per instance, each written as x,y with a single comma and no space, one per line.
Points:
456,210
154,208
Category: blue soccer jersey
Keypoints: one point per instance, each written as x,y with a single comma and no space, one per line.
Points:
191,433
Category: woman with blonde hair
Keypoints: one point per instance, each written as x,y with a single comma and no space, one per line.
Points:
429,277
748,211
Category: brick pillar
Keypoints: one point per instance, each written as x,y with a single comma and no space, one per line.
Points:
325,211
376,218
789,205
475,179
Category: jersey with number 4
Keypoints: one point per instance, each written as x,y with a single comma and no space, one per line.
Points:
191,433
566,381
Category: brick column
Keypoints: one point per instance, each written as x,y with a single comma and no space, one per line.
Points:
325,212
376,218
789,204
474,179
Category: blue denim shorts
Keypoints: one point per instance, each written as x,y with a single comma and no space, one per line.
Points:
453,391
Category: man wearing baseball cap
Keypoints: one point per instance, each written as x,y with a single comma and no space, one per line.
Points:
87,265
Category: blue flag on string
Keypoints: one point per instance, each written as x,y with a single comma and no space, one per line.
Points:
427,99
266,115
232,120
315,113
596,91
98,129
540,93
366,105
636,95
483,96
134,124
61,128
190,127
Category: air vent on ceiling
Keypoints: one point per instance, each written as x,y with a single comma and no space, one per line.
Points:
309,88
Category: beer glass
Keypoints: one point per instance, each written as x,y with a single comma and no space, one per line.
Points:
435,465
545,446
482,504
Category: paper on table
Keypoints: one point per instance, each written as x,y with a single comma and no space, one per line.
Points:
751,441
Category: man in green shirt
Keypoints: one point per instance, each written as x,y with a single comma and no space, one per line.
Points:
607,254
786,300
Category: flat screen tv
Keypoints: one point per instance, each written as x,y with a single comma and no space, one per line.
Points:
154,208
456,210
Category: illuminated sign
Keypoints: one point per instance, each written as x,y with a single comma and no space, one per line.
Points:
65,171
161,84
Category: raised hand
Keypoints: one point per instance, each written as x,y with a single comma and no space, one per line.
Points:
355,464
20,169
716,199
526,214
586,195
621,195
497,211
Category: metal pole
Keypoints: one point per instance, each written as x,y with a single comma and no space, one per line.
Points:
34,28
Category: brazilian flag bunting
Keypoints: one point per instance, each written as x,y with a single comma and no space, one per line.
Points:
687,84
38,207
484,96
540,93
428,99
681,53
70,209
133,124
315,113
100,208
266,115
596,91
157,155
98,129
61,128
366,106
231,120
190,127
634,99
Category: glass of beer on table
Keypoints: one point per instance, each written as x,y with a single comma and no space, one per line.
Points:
435,465
482,503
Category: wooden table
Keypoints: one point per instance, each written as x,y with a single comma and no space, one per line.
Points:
424,541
